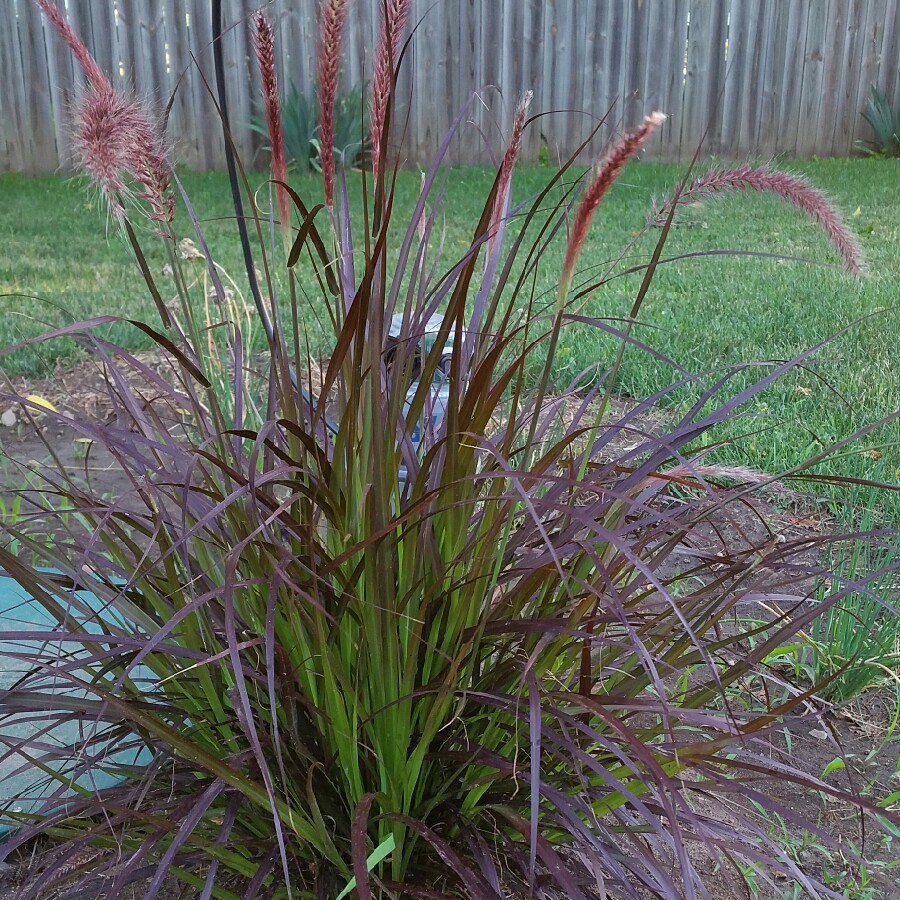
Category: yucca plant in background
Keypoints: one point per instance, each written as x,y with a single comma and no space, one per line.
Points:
300,120
885,124
491,660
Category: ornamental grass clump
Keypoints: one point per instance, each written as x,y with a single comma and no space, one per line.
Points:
421,634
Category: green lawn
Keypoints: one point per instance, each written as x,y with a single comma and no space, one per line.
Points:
58,264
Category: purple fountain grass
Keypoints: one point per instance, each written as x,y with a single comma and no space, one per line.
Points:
334,14
116,142
494,653
264,44
792,188
607,172
81,53
396,12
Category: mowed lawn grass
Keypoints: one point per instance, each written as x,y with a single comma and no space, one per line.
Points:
58,264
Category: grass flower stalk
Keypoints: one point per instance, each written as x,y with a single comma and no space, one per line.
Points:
607,172
791,188
396,12
116,141
334,15
118,146
604,177
504,179
264,44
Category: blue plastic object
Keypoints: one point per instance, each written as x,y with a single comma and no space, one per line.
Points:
23,786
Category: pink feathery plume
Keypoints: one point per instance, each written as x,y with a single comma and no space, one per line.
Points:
264,44
791,188
507,165
116,142
607,172
94,73
396,14
116,145
692,475
334,14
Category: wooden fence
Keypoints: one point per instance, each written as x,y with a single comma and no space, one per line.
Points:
798,72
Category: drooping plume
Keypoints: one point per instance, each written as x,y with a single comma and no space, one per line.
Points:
792,188
396,14
116,142
264,44
333,16
607,172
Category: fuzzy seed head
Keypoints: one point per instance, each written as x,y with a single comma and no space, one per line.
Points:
396,14
607,172
791,188
333,16
509,161
264,43
120,149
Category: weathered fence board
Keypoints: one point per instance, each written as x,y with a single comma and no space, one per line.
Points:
12,104
751,78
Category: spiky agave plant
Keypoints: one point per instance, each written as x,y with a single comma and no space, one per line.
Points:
491,660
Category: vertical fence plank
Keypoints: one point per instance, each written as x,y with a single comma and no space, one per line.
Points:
612,70
14,125
452,50
529,64
822,123
704,78
424,128
237,28
696,84
127,30
853,40
891,54
104,34
569,41
488,113
657,57
61,72
811,94
768,140
623,35
182,134
39,118
508,83
749,21
667,143
638,64
739,54
586,99
791,78
870,63
553,125
147,48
